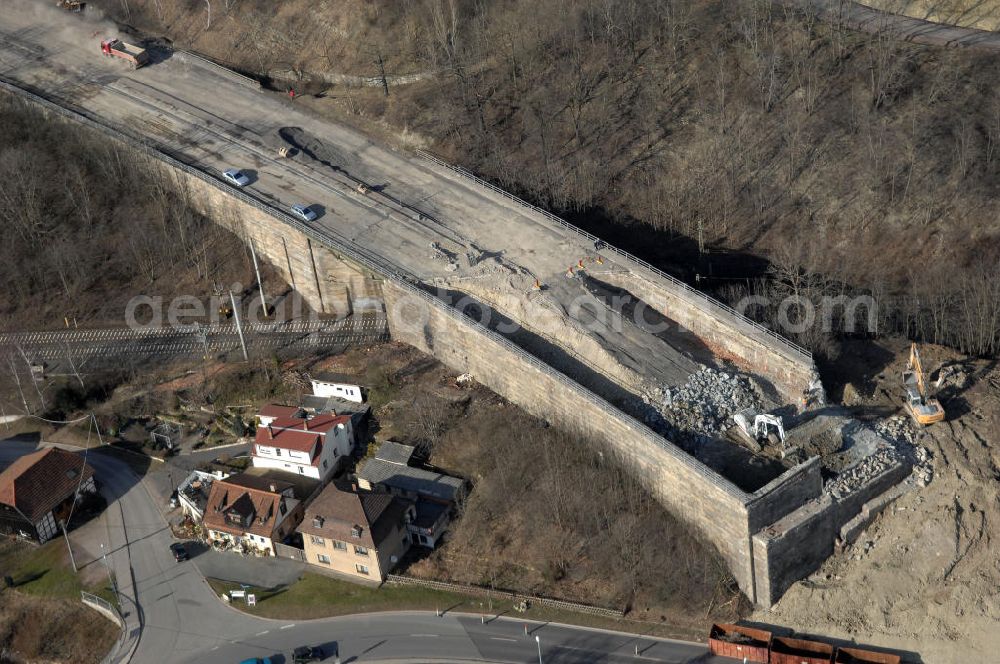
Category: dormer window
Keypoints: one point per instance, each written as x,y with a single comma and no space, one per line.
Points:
317,522
356,531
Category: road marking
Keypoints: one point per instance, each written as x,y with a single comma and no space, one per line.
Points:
287,626
424,635
502,638
263,633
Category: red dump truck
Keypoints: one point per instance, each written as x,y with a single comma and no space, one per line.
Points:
739,642
743,643
136,56
859,656
786,650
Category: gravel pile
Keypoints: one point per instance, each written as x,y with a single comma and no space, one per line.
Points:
702,407
855,477
899,445
899,432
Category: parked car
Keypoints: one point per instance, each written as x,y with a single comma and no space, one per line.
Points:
236,177
305,654
303,212
258,660
180,553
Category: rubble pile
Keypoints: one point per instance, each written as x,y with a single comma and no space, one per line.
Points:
899,445
857,475
702,407
900,434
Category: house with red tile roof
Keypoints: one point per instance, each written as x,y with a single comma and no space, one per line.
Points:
272,412
251,512
39,490
359,534
313,446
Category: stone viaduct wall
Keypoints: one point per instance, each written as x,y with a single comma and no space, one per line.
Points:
689,489
789,370
335,276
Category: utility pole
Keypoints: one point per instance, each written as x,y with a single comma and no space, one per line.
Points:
41,399
111,576
260,282
239,328
69,358
381,73
72,560
17,379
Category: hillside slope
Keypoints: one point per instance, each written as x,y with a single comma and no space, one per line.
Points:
861,163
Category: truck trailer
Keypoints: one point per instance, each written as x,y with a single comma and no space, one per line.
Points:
136,56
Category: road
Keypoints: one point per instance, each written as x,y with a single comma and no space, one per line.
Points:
868,19
421,219
175,616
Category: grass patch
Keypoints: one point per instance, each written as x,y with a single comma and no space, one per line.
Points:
45,571
320,596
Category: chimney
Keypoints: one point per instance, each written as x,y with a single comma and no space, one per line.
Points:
305,424
270,432
274,488
354,487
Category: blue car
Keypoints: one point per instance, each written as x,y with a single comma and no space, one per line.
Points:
258,660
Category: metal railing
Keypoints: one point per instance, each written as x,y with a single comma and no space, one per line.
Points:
699,297
109,611
222,70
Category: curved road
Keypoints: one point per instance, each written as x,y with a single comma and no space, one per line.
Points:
861,17
174,616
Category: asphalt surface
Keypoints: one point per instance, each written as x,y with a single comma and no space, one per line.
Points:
861,17
173,616
419,218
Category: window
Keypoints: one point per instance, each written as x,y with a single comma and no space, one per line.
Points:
277,452
339,546
355,531
318,541
360,550
325,464
317,522
362,569
323,559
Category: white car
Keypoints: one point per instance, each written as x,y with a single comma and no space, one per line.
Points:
236,177
303,212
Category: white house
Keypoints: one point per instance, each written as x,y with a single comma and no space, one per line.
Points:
337,385
193,492
313,447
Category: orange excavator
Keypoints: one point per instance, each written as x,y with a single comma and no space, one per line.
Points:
923,408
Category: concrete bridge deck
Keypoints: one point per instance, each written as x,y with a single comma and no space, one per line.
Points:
420,218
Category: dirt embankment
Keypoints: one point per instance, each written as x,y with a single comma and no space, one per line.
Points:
924,577
38,629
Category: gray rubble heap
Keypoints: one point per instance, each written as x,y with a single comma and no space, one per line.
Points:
702,407
898,445
899,432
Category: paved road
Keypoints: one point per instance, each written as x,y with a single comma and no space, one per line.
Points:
174,616
868,19
420,218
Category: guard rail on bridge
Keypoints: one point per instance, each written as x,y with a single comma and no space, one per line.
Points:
628,258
